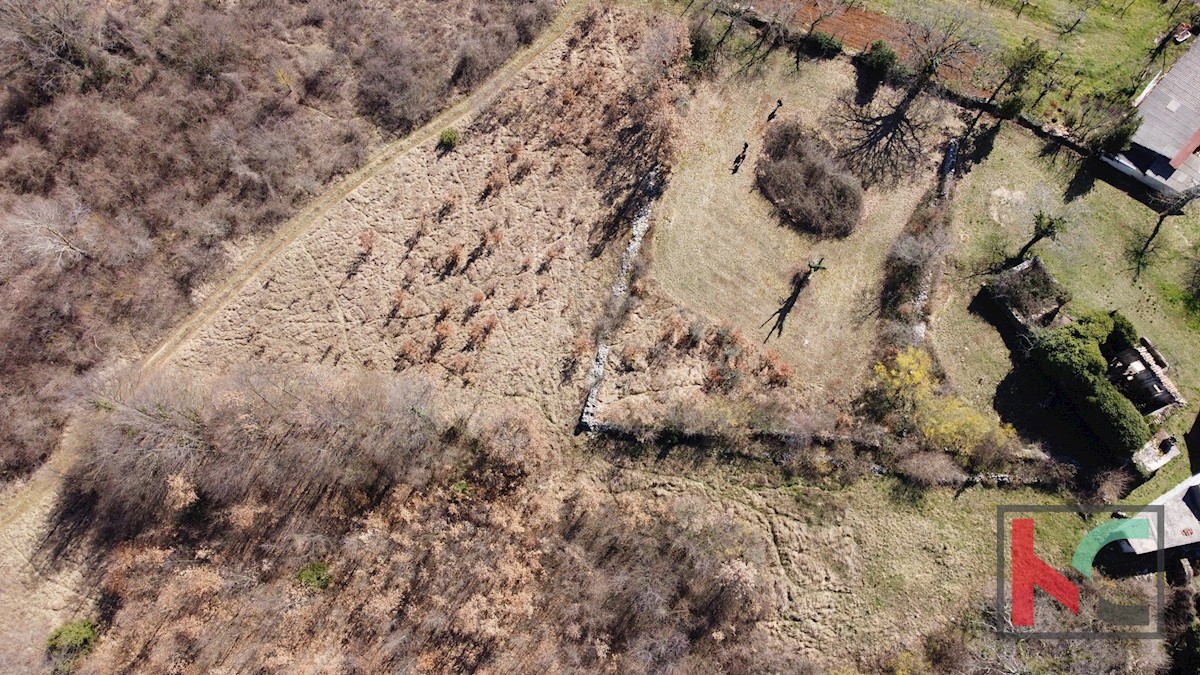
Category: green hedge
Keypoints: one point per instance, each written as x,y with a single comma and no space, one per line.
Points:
1123,335
1072,358
821,44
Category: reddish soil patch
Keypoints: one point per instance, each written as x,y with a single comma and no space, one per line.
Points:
857,28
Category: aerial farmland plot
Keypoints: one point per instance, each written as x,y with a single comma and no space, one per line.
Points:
528,336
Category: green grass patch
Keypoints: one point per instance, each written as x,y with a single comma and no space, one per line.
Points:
1089,259
1107,52
1178,295
315,575
71,642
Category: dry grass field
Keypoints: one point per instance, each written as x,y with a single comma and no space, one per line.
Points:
483,264
720,250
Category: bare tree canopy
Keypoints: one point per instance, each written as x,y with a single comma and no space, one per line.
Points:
939,41
884,141
46,230
47,39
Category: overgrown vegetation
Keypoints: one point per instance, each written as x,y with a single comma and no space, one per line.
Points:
1030,293
1072,357
908,267
137,138
242,480
811,190
905,395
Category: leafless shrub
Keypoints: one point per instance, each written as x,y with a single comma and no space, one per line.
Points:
930,469
1113,485
51,230
442,332
242,440
49,42
321,81
480,331
776,371
397,89
471,66
811,191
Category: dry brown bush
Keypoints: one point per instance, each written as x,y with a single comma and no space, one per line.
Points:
1113,485
931,469
799,174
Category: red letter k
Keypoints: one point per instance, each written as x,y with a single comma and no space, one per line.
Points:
1028,571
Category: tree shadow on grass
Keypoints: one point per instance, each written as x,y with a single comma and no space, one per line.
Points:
903,492
866,85
978,146
1192,440
1083,180
799,283
883,144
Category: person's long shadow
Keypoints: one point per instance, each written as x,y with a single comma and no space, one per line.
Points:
799,282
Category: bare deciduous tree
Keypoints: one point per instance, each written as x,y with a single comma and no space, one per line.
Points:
1051,217
1168,205
941,42
48,230
885,142
44,38
827,9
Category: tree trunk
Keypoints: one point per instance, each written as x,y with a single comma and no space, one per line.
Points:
988,103
1029,245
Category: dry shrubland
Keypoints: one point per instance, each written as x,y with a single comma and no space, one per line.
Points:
812,191
970,643
903,296
136,138
200,505
623,125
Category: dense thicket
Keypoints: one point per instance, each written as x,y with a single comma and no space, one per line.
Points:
136,138
1071,357
442,555
800,175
